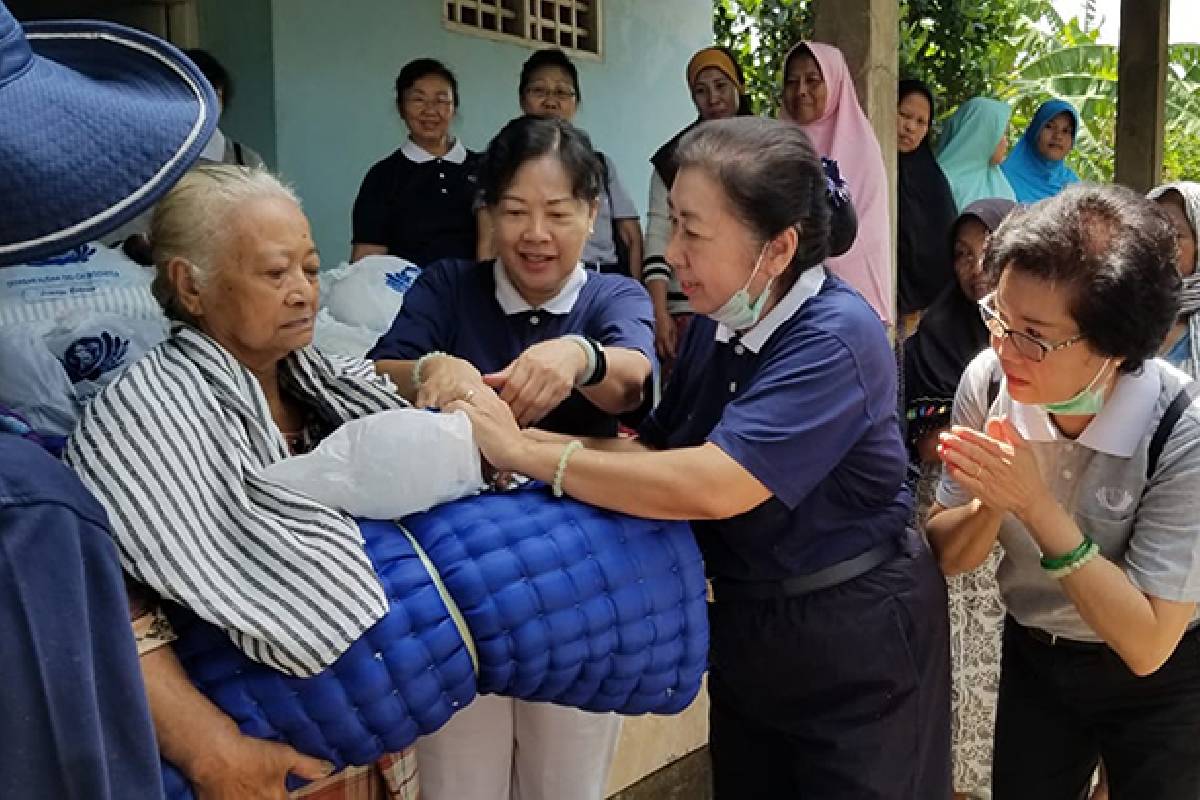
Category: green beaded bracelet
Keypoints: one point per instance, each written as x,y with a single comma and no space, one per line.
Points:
1051,563
1089,554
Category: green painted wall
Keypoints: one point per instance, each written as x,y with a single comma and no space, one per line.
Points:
335,64
238,33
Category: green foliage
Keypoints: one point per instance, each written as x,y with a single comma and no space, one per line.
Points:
760,32
964,48
1085,74
1021,51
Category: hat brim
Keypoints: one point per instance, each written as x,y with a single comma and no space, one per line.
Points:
100,124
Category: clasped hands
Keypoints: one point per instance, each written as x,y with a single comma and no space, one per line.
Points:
996,466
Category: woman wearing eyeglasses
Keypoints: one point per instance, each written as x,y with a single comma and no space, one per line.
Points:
419,202
549,87
1084,467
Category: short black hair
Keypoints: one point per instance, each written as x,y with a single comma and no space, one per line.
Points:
774,179
419,68
214,71
528,137
550,57
1115,252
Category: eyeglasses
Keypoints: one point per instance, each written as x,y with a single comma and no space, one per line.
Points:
542,92
1032,347
439,103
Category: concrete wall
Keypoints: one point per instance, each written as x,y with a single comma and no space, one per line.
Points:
238,33
334,65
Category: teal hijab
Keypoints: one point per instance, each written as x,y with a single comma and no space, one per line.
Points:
1033,176
969,139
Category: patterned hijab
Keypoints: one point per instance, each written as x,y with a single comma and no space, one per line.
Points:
1190,192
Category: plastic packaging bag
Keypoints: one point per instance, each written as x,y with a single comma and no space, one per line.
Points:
369,292
388,465
335,338
69,326
90,277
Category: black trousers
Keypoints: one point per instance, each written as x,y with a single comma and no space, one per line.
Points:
842,694
1064,707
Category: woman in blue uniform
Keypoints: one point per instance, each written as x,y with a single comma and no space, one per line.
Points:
568,349
419,202
778,439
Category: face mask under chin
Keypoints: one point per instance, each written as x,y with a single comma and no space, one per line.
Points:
1089,399
738,312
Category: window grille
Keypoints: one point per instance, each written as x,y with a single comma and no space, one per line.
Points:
570,24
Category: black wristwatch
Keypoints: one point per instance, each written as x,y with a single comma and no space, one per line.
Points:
601,363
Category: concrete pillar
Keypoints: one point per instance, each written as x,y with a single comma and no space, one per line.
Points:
867,32
1141,92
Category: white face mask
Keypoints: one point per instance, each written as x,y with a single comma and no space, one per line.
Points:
738,312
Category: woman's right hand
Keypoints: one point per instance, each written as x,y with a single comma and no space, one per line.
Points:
445,379
246,768
497,435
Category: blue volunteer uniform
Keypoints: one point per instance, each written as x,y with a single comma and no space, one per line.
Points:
419,206
472,311
73,712
829,617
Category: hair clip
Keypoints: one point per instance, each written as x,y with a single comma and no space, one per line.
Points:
835,186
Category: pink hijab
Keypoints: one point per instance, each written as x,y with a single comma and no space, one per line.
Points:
844,134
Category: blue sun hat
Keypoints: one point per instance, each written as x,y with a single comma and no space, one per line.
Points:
97,121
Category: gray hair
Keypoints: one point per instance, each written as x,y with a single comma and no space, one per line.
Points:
192,222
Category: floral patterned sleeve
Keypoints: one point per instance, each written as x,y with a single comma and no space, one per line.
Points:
151,628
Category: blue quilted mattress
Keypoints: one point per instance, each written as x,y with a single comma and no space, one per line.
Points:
559,601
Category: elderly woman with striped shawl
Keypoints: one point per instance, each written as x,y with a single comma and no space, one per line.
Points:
174,450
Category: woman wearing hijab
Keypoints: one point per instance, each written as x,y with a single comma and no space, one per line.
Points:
1036,168
952,333
973,144
718,90
926,206
819,96
1181,202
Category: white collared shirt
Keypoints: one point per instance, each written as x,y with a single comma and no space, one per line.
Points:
805,287
511,302
1116,429
457,154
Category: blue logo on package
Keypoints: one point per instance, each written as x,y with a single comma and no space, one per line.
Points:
401,281
76,255
88,358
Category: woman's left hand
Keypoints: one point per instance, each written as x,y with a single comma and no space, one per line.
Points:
497,435
539,379
996,466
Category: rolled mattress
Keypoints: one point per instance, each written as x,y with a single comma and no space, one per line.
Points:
516,593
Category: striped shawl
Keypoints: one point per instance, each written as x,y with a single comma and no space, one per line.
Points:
173,450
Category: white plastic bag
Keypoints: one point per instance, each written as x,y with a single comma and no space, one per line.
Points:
369,292
51,368
89,278
69,326
388,465
334,337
